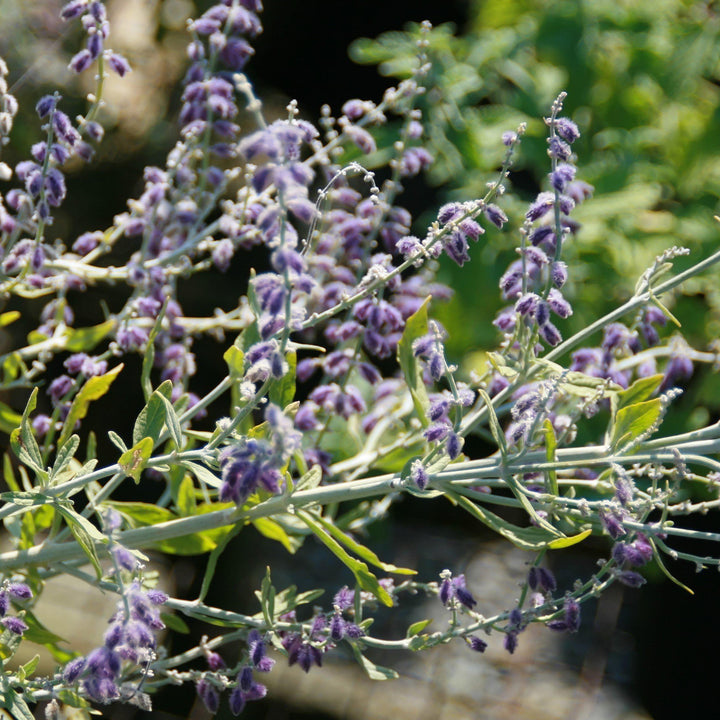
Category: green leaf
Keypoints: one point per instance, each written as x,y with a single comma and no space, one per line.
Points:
140,514
173,423
214,557
495,427
15,704
29,667
550,447
417,627
273,530
134,460
564,542
632,422
527,538
9,419
186,502
282,390
84,339
374,672
92,390
267,598
117,441
23,440
310,480
175,622
365,579
360,550
64,455
415,327
9,317
642,389
149,357
151,420
233,356
203,474
86,534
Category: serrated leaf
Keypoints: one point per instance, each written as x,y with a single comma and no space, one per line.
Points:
415,327
634,421
374,672
93,389
151,420
134,460
365,579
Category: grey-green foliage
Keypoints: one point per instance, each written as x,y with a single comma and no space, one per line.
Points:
643,83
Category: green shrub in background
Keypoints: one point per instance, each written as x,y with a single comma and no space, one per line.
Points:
643,80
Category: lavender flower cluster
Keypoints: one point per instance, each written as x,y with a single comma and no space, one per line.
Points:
339,390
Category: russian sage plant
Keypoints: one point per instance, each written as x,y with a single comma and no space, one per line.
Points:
338,397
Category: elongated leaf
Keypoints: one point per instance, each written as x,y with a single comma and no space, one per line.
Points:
140,514
563,542
175,623
134,460
495,427
9,419
149,357
527,538
273,530
84,339
9,317
151,420
282,390
203,474
173,423
117,441
65,454
86,534
365,579
23,440
311,479
642,389
415,327
374,672
550,447
92,390
417,627
15,704
267,598
360,550
213,559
